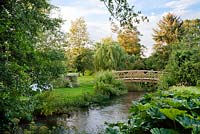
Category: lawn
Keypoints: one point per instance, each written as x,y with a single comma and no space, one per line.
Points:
61,100
86,86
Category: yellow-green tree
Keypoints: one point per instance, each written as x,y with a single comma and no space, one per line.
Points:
129,40
78,35
169,30
78,38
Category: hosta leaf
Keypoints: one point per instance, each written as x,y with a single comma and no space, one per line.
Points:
110,130
136,122
191,104
163,131
196,130
173,102
171,113
155,113
187,121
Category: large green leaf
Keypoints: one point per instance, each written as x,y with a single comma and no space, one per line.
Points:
163,131
191,104
188,121
172,112
155,113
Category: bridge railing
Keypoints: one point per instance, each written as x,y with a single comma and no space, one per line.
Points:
138,75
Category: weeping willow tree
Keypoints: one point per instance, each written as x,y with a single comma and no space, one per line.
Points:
109,57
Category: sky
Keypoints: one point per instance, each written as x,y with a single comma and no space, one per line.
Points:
97,16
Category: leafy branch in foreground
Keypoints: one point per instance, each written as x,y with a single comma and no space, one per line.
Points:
122,12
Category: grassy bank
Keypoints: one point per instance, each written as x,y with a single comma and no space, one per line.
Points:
183,89
86,87
63,100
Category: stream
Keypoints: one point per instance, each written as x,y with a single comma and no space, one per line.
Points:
91,120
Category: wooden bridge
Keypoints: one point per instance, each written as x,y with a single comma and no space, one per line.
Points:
138,75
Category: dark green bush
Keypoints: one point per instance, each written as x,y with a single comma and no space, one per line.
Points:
108,85
14,110
183,67
163,112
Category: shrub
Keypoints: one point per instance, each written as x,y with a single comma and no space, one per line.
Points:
198,83
176,111
14,110
60,82
183,67
108,85
52,103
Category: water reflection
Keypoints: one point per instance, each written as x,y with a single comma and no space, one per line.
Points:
91,120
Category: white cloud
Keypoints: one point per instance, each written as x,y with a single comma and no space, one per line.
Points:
180,4
94,13
145,29
180,7
99,30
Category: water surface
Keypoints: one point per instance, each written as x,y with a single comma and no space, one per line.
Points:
91,120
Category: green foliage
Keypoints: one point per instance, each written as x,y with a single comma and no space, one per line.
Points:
67,99
24,56
109,57
107,84
159,59
198,82
84,61
163,131
191,31
22,23
60,82
62,103
188,121
163,112
122,12
183,67
15,109
49,65
172,113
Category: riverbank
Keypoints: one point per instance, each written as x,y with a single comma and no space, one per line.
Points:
64,100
